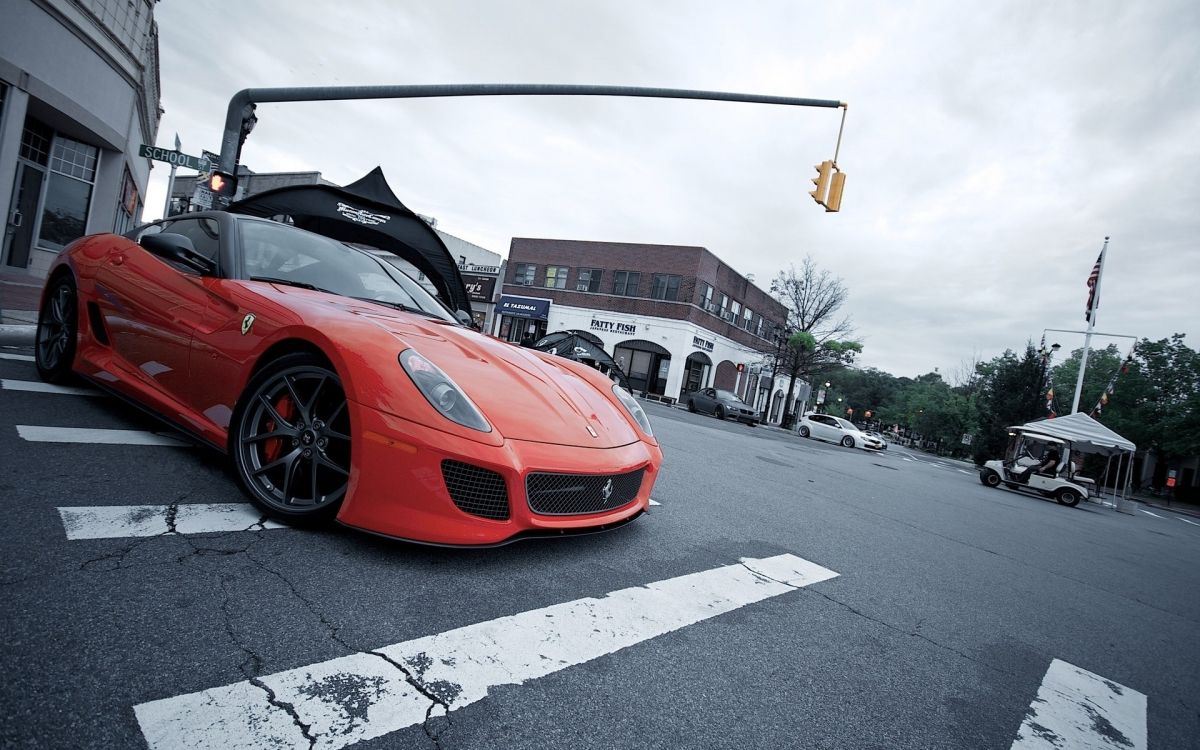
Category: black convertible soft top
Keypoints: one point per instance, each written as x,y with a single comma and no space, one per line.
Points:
366,212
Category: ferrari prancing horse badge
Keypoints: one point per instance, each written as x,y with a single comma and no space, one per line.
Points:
247,322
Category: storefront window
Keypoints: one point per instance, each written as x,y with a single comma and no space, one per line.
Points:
68,192
130,206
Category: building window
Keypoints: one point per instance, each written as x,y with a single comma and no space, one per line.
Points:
747,319
723,310
523,274
68,192
589,280
706,299
665,287
35,142
130,206
625,283
556,277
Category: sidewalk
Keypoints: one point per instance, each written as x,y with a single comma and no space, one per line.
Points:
20,294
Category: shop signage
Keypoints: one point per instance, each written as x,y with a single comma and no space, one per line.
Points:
476,268
535,308
612,326
479,288
703,345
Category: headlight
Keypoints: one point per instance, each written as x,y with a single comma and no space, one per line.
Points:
441,392
634,408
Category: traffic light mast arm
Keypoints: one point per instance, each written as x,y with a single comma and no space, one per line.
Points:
234,115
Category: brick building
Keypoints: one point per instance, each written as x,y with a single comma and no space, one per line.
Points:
676,318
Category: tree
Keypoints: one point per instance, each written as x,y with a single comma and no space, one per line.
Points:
1009,393
1101,366
813,297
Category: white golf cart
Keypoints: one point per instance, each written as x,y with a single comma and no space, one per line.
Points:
1022,468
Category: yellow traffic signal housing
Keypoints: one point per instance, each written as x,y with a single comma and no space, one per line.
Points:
834,201
824,169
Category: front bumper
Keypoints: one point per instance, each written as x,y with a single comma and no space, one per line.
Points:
397,488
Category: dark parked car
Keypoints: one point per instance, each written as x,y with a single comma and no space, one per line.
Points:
722,405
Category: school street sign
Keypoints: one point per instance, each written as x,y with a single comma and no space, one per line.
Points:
174,158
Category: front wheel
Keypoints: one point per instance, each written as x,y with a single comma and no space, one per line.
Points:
989,478
290,439
719,413
691,406
848,441
804,431
1067,497
57,332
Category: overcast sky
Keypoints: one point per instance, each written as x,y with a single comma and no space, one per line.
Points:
989,147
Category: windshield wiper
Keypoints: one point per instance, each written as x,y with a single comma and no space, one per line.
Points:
398,306
290,282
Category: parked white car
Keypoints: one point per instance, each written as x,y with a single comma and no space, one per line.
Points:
837,430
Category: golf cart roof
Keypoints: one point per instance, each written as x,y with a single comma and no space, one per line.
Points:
1037,436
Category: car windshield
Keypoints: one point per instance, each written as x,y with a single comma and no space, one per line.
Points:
283,254
729,396
845,424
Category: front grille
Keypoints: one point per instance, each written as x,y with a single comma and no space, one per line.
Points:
577,494
477,491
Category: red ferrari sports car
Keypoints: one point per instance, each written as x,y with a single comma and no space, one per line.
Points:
339,387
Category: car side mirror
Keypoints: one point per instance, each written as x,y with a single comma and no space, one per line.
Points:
178,248
464,317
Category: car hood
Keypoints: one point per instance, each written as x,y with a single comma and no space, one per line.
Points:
525,395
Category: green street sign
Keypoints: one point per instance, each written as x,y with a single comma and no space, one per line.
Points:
176,158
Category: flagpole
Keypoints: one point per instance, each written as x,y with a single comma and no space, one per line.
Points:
1087,339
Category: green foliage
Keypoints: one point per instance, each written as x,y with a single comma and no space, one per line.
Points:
1009,393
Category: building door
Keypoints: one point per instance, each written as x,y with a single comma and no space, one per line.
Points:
22,215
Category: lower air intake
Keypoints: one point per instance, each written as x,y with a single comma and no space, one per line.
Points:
477,491
578,494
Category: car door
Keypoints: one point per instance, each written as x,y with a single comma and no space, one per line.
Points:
708,402
152,307
829,429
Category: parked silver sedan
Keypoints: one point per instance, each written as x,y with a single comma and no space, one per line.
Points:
722,405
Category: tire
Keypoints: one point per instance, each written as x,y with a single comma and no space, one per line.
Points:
1068,497
848,441
719,412
57,331
691,406
289,439
989,478
804,431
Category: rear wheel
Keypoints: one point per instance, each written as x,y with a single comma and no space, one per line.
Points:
691,406
803,431
57,331
290,439
1067,497
848,441
989,478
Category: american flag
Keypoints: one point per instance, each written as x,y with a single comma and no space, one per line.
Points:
1093,281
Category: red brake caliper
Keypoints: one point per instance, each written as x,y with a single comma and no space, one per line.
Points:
274,447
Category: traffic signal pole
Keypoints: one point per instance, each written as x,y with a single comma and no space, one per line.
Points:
241,104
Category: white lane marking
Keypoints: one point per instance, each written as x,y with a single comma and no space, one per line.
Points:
906,458
36,386
1077,709
120,521
16,357
962,471
361,696
1187,521
38,434
654,502
1150,514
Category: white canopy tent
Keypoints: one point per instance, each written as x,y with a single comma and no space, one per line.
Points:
1086,435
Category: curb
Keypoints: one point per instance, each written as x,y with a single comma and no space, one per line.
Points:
17,335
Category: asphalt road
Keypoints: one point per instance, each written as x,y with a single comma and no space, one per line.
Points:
951,603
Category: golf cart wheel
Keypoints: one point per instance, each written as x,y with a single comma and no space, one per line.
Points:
1068,497
803,431
989,478
848,441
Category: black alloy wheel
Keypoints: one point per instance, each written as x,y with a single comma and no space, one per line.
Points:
57,330
989,478
719,412
803,431
290,439
848,441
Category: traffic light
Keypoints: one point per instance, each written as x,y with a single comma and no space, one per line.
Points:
834,201
824,170
222,183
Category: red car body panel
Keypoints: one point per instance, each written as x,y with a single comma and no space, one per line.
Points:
176,344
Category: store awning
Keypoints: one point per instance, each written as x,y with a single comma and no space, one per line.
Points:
535,308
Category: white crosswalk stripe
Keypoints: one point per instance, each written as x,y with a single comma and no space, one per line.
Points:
94,436
1075,708
120,521
36,386
460,666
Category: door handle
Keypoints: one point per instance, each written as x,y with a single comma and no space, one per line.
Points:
16,219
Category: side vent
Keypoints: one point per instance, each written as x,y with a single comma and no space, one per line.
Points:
97,321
